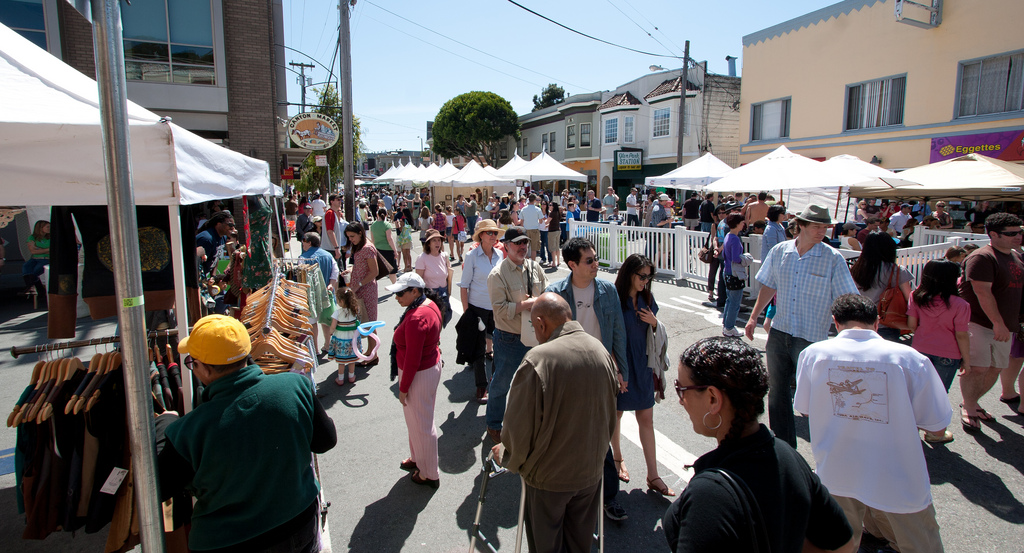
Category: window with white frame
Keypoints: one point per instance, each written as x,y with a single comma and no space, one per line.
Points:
169,41
992,85
570,136
611,130
769,120
662,122
551,142
584,135
544,142
628,125
875,103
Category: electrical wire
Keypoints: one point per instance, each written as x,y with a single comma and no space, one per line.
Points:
474,48
570,29
455,54
651,23
361,116
638,26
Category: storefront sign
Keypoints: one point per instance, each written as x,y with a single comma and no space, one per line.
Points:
1007,146
321,161
628,161
313,131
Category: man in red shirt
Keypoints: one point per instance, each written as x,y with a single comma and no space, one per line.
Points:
872,223
334,241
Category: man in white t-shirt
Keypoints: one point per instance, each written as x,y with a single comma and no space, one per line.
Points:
632,215
859,390
610,202
530,217
319,206
899,219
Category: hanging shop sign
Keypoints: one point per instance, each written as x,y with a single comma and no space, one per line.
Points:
313,131
1006,145
628,160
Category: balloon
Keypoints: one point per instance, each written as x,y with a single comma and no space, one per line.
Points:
367,329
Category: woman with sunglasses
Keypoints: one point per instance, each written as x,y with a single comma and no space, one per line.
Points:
416,359
721,384
633,283
476,300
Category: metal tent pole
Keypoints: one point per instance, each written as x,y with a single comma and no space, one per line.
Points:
127,267
345,40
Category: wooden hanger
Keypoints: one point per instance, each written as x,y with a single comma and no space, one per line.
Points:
111,367
25,399
94,367
72,366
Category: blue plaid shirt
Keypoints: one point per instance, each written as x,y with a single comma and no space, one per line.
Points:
805,287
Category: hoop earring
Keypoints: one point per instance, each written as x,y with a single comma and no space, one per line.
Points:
704,421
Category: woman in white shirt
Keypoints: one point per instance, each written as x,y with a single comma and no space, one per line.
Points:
848,239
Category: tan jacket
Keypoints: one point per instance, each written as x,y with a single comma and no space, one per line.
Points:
507,285
560,412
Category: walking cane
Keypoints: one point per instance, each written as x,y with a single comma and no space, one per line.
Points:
522,515
600,520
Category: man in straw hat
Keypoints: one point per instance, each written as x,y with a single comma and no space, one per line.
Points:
269,501
476,301
806,276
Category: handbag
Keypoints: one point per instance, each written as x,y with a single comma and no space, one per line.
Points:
526,334
707,254
383,267
733,282
892,305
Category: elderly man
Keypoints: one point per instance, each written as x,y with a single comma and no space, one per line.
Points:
513,287
857,389
594,207
806,276
610,203
561,414
268,502
992,283
304,222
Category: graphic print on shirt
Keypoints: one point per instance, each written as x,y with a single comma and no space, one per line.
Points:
859,393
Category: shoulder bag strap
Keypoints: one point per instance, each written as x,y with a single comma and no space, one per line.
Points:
758,530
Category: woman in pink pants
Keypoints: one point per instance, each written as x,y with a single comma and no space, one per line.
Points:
416,358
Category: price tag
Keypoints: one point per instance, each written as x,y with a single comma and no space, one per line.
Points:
114,481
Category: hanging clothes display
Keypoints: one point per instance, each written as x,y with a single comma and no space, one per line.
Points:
257,272
278,319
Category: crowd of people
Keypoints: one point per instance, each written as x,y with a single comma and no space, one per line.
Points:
558,363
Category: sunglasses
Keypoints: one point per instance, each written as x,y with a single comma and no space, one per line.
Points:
401,293
1009,233
644,276
232,225
189,362
681,389
490,232
591,260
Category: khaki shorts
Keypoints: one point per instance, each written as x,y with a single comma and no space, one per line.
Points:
534,235
985,350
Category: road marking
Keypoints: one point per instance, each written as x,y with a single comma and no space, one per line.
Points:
670,454
691,301
670,306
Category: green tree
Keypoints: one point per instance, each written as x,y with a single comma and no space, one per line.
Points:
315,178
551,95
473,125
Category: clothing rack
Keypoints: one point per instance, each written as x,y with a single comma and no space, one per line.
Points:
271,297
23,350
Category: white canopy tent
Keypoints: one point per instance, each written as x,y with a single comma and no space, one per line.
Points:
694,175
51,150
785,170
513,165
388,175
969,176
543,167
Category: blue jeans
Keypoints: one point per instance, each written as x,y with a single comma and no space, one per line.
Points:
470,224
706,227
34,267
543,253
946,368
732,308
508,354
782,352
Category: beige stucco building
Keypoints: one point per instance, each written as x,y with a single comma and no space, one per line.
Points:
850,78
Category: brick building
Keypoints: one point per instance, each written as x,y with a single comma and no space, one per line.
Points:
213,66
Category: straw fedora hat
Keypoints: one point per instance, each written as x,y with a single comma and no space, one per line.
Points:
486,225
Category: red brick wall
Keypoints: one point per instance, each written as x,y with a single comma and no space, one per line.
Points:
76,40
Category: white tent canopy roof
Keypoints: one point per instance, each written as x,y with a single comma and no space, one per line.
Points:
51,144
694,175
972,175
390,173
785,170
474,174
543,167
510,169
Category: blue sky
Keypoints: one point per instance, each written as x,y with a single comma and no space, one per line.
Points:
403,72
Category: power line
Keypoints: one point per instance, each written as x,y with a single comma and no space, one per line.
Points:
457,55
361,116
638,26
651,23
570,29
474,48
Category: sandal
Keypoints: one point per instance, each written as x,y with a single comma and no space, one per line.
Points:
971,423
663,489
984,415
621,470
943,438
408,465
1014,399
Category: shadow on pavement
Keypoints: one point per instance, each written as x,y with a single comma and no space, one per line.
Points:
387,523
500,508
459,438
12,525
983,488
642,530
462,384
349,394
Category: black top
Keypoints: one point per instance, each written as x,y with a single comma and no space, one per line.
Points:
707,211
691,207
708,516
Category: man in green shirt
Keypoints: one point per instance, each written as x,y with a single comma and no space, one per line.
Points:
472,212
383,236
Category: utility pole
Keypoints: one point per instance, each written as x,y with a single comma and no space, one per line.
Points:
302,79
682,102
346,108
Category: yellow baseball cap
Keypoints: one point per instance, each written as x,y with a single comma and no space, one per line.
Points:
217,340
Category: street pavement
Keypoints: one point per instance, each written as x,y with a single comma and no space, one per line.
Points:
977,481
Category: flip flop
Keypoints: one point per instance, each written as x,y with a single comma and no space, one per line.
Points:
622,472
971,423
1014,399
984,415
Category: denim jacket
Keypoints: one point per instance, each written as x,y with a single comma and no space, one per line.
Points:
609,317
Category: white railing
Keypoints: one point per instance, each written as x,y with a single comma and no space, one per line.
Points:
674,251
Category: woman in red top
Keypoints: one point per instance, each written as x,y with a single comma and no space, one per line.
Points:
416,357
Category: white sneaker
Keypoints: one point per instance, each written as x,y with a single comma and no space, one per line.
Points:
731,333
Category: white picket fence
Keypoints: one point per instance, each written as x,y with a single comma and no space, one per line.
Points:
674,251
